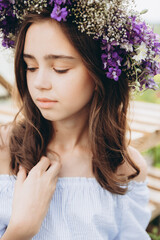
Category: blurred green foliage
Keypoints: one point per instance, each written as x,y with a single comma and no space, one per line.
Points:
154,155
154,236
154,229
155,233
150,95
156,28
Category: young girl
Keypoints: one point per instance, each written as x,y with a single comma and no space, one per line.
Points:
66,169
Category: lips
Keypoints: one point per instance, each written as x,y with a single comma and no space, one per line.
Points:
46,103
45,100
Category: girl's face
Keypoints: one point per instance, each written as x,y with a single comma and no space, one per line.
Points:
57,79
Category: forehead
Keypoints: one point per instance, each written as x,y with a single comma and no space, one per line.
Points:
47,37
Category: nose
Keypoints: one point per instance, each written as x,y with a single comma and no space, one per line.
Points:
42,80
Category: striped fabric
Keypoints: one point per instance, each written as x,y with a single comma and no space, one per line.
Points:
81,209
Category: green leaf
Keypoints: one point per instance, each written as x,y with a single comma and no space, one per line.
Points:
144,11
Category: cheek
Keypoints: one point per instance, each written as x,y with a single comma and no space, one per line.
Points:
80,88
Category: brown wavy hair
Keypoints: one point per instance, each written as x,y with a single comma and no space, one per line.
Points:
107,120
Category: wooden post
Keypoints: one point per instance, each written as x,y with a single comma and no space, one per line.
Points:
6,85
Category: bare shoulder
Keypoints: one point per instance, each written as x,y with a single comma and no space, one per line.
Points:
5,132
139,161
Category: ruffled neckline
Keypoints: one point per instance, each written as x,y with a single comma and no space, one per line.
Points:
72,180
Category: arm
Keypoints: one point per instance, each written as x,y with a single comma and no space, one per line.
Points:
32,195
14,234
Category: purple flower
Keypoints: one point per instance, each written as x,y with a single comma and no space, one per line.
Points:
12,1
114,73
111,58
111,63
136,31
104,56
8,23
59,2
7,43
148,84
59,13
151,68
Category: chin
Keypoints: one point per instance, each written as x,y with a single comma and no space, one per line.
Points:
51,117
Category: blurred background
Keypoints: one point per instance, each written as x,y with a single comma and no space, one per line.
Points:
145,115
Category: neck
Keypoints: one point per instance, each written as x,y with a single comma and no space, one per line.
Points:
72,132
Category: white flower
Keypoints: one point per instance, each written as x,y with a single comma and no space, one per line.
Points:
127,46
92,1
141,52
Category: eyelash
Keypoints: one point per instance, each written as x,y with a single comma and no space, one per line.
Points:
58,71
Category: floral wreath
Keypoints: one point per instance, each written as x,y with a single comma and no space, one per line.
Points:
128,44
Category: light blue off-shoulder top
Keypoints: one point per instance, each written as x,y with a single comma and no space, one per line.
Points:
81,209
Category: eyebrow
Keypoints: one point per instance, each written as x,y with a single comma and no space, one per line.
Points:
49,57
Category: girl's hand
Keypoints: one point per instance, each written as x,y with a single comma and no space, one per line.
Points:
32,196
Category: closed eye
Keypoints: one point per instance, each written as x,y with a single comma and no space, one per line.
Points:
56,70
61,71
31,69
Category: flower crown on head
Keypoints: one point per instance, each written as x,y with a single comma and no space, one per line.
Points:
128,44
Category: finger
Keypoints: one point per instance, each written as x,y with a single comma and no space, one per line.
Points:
42,165
54,168
21,175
